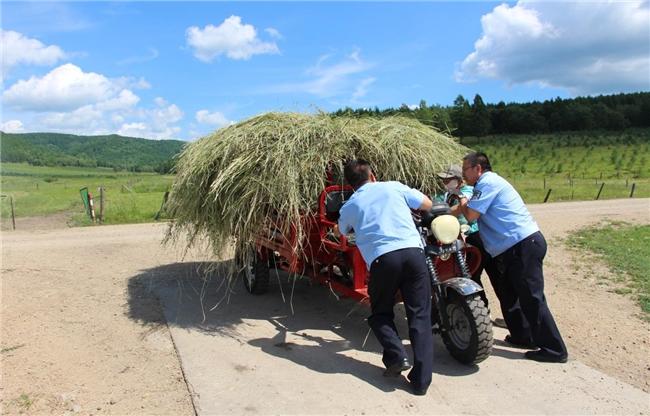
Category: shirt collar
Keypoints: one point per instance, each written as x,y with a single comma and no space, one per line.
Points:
482,176
362,186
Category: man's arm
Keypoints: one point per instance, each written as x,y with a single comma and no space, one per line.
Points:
343,225
469,214
426,204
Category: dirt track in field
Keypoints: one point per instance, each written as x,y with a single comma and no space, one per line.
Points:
81,333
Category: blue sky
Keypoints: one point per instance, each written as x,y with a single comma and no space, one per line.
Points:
181,70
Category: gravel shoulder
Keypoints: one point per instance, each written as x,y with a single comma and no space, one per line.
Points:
82,331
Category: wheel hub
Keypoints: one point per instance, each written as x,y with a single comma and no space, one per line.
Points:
460,330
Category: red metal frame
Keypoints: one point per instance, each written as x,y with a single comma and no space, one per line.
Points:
320,252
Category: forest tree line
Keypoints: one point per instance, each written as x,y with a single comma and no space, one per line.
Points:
476,118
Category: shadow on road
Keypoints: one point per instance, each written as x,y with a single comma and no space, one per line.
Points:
310,325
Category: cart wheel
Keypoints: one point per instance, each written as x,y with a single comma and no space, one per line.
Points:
256,275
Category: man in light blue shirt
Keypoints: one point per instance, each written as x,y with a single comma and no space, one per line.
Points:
380,215
513,240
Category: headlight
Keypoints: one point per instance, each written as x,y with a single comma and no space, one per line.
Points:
446,228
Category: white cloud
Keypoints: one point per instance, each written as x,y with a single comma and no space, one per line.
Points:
84,120
69,100
232,38
156,123
17,49
165,113
148,131
362,88
584,47
12,126
125,99
160,102
274,33
134,129
66,87
329,80
215,118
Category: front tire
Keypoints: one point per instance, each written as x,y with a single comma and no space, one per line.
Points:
469,338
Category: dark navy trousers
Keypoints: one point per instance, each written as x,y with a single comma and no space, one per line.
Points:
404,270
520,289
486,264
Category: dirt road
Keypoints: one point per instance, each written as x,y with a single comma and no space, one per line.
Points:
83,331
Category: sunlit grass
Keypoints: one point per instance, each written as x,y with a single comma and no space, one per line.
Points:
626,250
128,197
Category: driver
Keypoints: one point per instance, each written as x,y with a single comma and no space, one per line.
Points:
517,247
380,214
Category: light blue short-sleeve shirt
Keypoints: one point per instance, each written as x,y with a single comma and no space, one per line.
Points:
379,213
504,219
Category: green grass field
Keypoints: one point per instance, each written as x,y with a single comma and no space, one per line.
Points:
572,165
626,250
128,197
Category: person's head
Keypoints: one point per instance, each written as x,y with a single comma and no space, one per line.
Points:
452,178
474,165
357,172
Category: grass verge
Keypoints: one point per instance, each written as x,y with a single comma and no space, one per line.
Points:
38,190
625,248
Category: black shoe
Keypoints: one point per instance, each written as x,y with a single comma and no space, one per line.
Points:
528,345
396,369
544,357
419,391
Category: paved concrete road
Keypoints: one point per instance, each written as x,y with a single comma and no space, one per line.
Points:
310,355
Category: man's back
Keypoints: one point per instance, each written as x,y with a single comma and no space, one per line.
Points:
379,213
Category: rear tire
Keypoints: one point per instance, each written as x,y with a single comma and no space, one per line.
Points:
469,339
256,274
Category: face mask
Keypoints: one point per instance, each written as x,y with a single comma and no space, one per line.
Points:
451,185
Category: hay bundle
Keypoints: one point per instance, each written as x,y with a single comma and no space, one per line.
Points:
241,178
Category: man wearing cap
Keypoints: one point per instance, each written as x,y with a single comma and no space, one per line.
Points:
380,215
513,239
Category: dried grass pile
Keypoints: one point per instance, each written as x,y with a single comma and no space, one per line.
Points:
235,181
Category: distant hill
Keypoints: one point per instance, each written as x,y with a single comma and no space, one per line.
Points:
114,151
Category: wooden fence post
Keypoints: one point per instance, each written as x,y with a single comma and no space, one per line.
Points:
602,185
101,204
632,192
13,214
547,195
